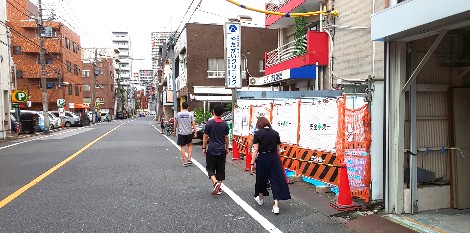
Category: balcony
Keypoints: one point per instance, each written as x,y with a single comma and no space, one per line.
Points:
289,56
120,38
34,70
287,6
52,45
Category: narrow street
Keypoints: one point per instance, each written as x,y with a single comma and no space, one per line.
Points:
124,176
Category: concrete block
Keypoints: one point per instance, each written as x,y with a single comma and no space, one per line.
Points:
322,189
295,178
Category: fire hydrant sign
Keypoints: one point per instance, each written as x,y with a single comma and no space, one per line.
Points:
18,96
233,46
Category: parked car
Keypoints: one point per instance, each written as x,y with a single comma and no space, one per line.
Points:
120,115
105,117
29,121
54,122
70,118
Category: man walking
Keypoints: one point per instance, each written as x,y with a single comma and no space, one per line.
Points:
185,128
215,147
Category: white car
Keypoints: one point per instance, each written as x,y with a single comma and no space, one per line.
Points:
54,122
70,118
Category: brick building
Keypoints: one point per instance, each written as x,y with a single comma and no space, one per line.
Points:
62,58
141,101
200,69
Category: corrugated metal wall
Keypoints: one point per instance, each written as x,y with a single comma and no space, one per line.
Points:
432,111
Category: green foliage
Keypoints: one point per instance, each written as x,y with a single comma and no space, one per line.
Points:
300,32
200,116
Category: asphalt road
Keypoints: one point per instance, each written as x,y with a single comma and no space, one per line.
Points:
124,176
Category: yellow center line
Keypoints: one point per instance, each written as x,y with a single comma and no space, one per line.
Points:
38,179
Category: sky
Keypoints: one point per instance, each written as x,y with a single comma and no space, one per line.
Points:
94,20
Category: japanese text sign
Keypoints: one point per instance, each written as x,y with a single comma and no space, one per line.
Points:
233,55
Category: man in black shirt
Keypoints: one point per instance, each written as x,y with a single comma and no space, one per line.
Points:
215,147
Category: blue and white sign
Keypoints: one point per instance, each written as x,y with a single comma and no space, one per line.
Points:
233,55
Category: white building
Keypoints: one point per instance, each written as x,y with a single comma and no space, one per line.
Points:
121,41
5,74
158,39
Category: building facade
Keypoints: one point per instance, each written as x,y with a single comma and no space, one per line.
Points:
104,83
200,61
121,40
426,104
158,39
62,57
5,73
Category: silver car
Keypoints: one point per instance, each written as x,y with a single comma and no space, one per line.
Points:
70,118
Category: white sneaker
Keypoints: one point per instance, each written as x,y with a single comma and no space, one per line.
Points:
275,210
259,201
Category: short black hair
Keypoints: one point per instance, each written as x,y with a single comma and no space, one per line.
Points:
185,105
218,110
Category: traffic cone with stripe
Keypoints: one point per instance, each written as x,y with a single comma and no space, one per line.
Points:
235,152
247,159
344,201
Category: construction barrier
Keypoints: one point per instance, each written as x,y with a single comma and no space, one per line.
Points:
317,135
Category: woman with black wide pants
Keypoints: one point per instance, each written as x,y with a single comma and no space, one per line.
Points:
266,142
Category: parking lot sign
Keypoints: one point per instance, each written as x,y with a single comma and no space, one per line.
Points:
18,96
60,103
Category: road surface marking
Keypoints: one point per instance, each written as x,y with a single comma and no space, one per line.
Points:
257,216
38,179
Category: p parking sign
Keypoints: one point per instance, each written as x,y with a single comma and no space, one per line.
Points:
18,96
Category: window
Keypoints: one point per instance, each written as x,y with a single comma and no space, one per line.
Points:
99,86
216,68
77,90
69,66
74,48
67,43
75,69
70,89
261,65
85,73
47,60
16,49
86,87
87,100
67,114
19,74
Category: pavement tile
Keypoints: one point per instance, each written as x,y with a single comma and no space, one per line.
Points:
376,224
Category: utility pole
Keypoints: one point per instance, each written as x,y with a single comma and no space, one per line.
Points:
93,93
43,69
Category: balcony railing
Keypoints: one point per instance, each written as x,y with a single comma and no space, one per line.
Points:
286,52
312,49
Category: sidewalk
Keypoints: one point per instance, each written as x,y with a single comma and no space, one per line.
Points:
361,221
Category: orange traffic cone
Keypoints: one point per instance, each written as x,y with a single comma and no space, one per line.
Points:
235,152
344,201
247,159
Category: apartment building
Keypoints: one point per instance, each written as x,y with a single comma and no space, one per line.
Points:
62,58
103,78
121,40
158,39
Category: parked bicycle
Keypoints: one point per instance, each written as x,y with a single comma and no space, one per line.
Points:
169,129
